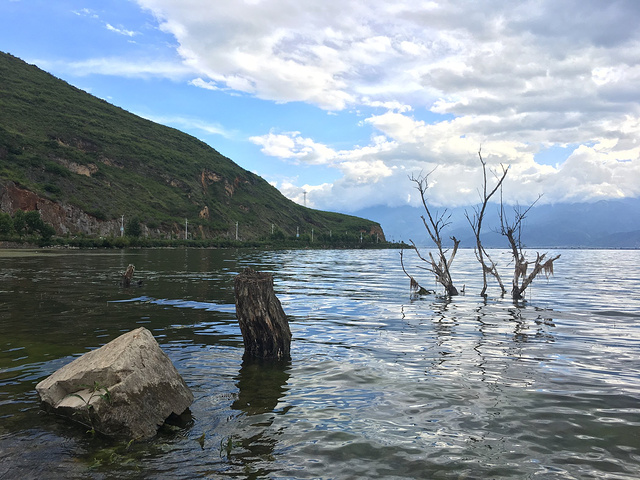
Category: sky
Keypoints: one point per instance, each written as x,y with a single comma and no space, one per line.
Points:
339,103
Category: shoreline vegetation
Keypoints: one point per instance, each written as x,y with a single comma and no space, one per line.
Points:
28,230
126,242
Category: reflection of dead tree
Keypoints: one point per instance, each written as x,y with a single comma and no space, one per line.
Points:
513,230
434,225
488,265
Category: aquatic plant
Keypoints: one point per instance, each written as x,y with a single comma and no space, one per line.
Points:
94,391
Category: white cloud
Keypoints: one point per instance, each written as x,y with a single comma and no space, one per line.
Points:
390,105
85,12
290,145
598,171
198,82
514,77
378,173
186,123
115,66
120,30
366,171
302,194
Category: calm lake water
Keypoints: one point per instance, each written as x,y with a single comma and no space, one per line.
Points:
379,386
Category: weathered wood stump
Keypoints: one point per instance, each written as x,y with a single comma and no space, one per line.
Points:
263,323
127,276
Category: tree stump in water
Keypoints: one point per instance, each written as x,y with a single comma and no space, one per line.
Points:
127,276
264,326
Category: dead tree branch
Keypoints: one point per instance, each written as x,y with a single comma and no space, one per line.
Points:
513,231
434,224
487,263
414,287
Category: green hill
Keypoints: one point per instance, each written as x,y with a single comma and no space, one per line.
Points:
85,163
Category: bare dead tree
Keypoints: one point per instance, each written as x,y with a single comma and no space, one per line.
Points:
435,223
513,231
487,263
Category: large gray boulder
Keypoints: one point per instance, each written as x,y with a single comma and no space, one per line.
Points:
125,389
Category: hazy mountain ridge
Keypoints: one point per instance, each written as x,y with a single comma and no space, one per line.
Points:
602,224
85,163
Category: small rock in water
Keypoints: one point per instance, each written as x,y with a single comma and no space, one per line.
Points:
126,388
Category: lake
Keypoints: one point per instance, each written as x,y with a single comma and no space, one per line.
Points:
380,385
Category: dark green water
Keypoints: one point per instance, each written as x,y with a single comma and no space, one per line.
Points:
379,385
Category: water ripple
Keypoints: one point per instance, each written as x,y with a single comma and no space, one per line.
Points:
380,385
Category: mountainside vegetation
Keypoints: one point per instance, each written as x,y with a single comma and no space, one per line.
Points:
72,149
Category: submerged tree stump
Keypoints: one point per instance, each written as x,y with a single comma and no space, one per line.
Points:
127,276
263,323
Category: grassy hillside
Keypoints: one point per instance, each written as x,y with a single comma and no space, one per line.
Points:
70,147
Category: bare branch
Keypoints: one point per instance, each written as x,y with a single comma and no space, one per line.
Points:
540,265
414,286
513,232
488,265
439,263
434,223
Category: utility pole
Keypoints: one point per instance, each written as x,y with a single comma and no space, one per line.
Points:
236,231
297,232
305,198
186,228
122,226
312,235
272,229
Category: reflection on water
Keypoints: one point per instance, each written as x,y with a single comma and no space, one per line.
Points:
261,385
379,385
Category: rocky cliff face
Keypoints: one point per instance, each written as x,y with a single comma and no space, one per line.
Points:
65,218
377,230
72,220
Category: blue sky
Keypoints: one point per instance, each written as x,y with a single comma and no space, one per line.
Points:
345,100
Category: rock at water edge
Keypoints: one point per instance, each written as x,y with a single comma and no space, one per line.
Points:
126,388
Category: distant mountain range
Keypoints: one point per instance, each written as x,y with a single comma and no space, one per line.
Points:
602,224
